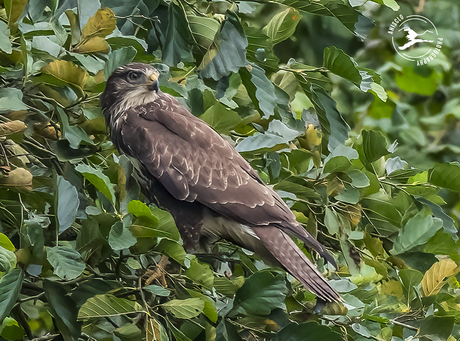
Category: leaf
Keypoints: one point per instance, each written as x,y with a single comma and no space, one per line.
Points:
120,237
6,243
374,145
184,309
417,231
66,72
64,310
282,25
118,58
93,45
157,290
10,286
12,127
446,175
436,328
227,331
100,24
220,118
435,278
417,82
128,13
98,179
260,294
5,43
410,278
7,260
177,46
19,177
350,18
298,332
67,203
260,49
201,273
67,263
107,305
209,309
153,222
11,100
228,52
338,62
14,10
203,29
260,89
331,221
11,330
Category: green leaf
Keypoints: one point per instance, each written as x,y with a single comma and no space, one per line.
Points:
260,49
5,43
120,237
201,273
220,118
107,305
11,100
172,249
350,18
67,263
446,175
11,330
67,203
203,29
10,286
6,243
98,179
260,89
157,290
417,231
282,25
374,145
7,260
418,82
338,62
177,46
64,310
436,328
209,309
227,331
184,309
331,221
118,58
410,278
228,52
298,332
260,294
151,223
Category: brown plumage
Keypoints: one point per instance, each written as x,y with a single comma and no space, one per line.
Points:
212,192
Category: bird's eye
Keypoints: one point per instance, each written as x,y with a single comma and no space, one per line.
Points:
133,76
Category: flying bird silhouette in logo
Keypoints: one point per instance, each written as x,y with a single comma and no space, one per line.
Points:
412,37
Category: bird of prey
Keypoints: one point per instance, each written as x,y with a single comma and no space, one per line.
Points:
212,192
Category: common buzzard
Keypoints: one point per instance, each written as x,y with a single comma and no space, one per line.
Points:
187,168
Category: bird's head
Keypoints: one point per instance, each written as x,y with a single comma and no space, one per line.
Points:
129,86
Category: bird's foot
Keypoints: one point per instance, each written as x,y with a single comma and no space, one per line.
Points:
158,273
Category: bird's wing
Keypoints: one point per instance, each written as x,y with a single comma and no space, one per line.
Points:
194,163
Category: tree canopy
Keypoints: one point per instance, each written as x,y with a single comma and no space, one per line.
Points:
360,139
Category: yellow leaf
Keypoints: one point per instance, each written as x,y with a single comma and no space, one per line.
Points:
14,9
18,177
392,288
93,45
12,127
99,25
67,72
434,278
313,137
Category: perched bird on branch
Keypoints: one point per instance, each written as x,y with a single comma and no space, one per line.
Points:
187,168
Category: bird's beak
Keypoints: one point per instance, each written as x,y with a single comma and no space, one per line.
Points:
153,82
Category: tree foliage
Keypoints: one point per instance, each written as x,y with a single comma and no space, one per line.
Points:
362,144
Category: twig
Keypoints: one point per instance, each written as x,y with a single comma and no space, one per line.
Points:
45,337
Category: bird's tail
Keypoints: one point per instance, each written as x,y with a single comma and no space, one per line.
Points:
283,248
